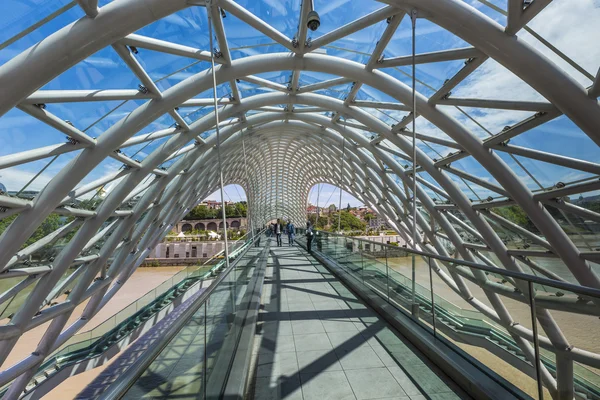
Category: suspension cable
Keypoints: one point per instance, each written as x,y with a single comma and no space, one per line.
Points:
413,17
218,146
341,177
249,215
320,185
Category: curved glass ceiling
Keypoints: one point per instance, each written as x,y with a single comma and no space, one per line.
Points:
107,130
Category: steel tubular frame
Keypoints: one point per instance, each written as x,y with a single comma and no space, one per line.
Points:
360,165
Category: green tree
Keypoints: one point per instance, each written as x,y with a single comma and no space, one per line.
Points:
516,215
348,222
50,224
368,217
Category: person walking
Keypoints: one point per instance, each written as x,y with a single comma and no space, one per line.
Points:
278,229
291,231
309,236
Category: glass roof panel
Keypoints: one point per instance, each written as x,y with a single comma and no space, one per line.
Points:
176,28
16,16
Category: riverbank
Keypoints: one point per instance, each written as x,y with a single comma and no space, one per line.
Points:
142,281
580,330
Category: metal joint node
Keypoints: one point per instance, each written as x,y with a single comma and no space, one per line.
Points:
70,140
40,105
142,89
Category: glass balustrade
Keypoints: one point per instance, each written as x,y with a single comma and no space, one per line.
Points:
496,317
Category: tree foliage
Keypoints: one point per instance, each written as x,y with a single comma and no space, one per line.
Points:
50,224
231,210
516,215
348,222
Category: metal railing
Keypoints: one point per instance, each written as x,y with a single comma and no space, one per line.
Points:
90,343
464,316
209,324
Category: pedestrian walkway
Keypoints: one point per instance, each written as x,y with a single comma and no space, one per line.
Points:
316,340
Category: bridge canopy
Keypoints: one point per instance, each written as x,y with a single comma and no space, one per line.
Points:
109,135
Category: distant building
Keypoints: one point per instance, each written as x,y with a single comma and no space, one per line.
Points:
212,204
378,222
589,199
311,209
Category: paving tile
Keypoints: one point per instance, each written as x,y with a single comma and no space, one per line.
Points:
314,361
347,340
373,383
295,306
338,325
386,358
404,381
301,327
278,344
363,357
275,365
312,341
326,386
427,379
269,328
287,387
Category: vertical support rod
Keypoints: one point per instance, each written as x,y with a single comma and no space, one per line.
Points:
387,273
212,62
319,188
341,180
432,298
536,345
249,215
205,352
414,307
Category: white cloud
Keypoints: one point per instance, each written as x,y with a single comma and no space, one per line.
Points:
571,26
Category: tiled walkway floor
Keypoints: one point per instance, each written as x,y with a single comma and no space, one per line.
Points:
315,340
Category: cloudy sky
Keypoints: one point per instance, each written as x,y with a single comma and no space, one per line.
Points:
326,194
571,26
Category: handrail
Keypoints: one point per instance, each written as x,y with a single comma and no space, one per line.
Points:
58,356
436,308
128,378
73,340
579,289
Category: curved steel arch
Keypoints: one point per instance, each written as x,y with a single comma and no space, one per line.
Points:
163,197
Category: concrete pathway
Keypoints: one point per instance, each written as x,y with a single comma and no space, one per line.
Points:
316,341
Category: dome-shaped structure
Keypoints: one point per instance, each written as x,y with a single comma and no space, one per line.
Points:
502,131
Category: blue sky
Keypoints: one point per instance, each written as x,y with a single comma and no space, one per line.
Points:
326,194
105,70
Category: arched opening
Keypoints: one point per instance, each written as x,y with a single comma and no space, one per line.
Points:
186,228
221,225
324,210
200,226
212,226
235,224
474,199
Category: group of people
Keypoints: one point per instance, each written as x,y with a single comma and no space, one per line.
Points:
278,230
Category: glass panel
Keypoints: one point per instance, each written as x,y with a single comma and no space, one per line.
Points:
577,318
178,371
